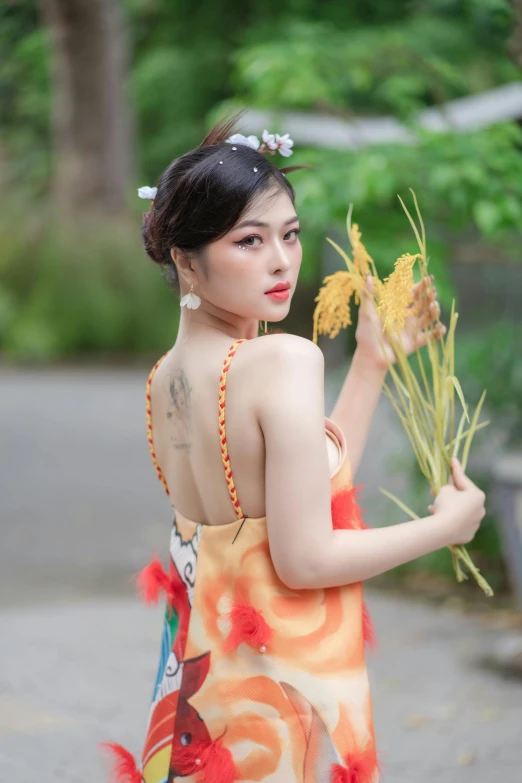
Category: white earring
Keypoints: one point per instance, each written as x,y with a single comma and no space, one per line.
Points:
190,300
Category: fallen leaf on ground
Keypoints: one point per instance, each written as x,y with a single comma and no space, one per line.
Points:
467,758
416,721
487,714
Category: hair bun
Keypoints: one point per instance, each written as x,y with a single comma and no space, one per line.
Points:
169,270
148,244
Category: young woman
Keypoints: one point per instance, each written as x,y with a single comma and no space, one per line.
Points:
262,674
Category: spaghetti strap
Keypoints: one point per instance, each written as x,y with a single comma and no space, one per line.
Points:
149,425
222,434
221,421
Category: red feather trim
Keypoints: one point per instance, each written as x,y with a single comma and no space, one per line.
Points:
346,513
361,766
152,579
339,774
216,764
249,626
125,767
368,628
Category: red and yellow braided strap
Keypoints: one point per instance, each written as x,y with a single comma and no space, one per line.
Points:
149,425
222,435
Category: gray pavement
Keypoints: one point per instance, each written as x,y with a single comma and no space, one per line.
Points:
73,674
82,510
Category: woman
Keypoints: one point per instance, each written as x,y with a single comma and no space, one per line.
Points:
262,673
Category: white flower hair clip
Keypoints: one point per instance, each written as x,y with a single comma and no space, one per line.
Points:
270,143
146,192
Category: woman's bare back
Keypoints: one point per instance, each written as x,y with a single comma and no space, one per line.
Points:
184,405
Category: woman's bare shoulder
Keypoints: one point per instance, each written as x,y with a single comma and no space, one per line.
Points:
273,347
283,370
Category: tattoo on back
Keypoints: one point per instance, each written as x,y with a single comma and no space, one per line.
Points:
179,410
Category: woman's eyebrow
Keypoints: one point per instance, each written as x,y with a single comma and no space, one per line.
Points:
260,223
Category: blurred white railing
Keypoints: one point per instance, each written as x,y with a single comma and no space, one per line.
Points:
464,114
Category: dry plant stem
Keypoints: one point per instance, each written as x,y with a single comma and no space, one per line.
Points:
415,395
450,348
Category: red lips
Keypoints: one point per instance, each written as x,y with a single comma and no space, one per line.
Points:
279,287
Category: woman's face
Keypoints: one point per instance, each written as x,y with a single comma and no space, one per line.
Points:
262,249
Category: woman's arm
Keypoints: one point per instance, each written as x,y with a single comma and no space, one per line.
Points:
306,551
356,404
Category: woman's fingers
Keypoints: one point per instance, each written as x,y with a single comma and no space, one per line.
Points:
423,300
423,287
460,479
423,337
428,315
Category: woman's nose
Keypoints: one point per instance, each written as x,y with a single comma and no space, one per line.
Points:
281,258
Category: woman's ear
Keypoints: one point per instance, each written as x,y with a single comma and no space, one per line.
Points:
185,267
182,261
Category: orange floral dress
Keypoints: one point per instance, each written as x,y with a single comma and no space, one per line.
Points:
256,682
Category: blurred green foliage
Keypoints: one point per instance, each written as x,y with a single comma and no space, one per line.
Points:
84,289
191,63
397,67
490,358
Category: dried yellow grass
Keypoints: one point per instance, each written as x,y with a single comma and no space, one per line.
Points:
426,408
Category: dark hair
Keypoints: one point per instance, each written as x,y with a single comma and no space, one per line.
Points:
199,200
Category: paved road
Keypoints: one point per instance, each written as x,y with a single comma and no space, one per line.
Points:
74,674
82,510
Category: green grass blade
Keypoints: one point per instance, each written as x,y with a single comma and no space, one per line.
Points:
472,430
341,252
401,505
458,437
349,222
455,381
480,426
412,222
423,230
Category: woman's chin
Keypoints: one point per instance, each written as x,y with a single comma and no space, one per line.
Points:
278,312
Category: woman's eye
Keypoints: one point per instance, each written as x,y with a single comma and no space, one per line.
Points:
249,241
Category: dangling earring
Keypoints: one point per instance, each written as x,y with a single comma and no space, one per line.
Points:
190,300
263,330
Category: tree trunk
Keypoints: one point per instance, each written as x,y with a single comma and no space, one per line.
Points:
515,42
91,116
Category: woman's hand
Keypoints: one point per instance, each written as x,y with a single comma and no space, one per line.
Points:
423,312
460,505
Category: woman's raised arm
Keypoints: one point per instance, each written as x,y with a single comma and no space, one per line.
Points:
306,551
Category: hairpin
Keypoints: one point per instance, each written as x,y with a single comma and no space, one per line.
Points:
146,192
270,143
